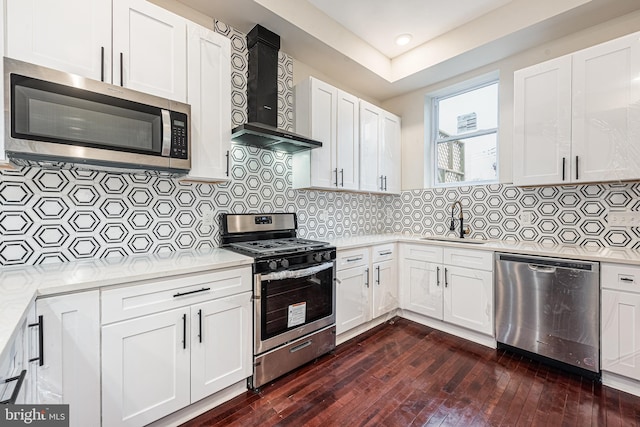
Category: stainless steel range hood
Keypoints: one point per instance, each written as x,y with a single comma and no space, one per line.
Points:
262,97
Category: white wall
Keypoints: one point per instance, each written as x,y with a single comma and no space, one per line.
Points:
411,106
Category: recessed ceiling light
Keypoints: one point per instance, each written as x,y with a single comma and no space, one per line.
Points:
403,39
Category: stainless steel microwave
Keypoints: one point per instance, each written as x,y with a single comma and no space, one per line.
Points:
55,116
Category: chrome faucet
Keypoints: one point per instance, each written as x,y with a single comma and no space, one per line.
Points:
452,227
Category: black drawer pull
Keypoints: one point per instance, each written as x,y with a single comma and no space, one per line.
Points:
40,326
181,294
16,389
626,279
354,259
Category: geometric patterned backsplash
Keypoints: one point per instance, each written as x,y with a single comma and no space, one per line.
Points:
559,215
51,215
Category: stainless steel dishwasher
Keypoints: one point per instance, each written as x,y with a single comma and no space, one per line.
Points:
549,307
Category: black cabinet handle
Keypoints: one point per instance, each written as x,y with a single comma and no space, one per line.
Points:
40,326
101,63
378,271
16,389
227,163
181,294
121,69
437,276
184,331
385,183
564,166
342,177
335,172
381,182
626,279
200,325
366,272
577,172
446,283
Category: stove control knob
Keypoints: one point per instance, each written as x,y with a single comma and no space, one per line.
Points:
273,265
284,263
326,256
317,257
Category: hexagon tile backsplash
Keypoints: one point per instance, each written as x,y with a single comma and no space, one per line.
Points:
65,215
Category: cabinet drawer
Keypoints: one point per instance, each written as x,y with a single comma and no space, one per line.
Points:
384,252
352,258
159,295
422,253
468,258
620,277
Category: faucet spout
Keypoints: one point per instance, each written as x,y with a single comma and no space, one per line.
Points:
463,231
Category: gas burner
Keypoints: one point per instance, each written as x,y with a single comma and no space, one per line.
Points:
272,246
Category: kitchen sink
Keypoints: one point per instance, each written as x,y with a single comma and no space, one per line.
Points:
456,240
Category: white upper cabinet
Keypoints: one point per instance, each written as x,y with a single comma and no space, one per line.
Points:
145,49
370,127
379,150
68,35
328,115
606,119
3,159
542,122
149,49
209,94
576,117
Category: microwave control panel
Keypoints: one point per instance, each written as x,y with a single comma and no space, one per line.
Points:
179,145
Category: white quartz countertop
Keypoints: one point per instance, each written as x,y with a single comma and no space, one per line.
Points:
585,253
20,285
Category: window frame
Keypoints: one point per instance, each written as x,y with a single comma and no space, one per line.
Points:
450,92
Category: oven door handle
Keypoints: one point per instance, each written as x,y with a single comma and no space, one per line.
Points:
297,274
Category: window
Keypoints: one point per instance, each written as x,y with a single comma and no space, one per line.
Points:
465,137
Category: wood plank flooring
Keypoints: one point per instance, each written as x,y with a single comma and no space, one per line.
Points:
406,374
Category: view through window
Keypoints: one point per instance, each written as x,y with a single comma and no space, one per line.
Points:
466,136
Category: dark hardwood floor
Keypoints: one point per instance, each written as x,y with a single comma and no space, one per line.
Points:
406,374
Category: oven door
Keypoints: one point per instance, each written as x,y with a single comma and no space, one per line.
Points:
290,304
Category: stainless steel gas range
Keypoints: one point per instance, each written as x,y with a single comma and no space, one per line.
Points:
293,291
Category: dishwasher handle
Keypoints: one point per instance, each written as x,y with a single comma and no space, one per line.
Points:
549,262
541,268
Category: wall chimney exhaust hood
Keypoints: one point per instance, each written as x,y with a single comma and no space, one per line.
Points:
262,97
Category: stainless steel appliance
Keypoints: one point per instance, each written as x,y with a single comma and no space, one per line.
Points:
55,116
294,291
550,307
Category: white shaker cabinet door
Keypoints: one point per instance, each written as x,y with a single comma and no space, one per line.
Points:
323,129
542,123
422,287
468,298
221,336
348,141
67,35
352,298
370,128
389,160
145,368
70,372
621,333
385,287
209,94
149,49
606,117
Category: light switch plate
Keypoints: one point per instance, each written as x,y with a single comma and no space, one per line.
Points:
623,219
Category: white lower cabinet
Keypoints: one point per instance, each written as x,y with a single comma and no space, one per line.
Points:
68,365
449,284
353,301
160,362
621,320
367,285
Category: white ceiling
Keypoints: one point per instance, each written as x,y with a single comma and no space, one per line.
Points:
379,22
348,41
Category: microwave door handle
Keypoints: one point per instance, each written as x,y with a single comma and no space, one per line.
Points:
166,133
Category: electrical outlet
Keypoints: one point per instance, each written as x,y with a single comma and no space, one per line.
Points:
526,218
207,218
623,219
